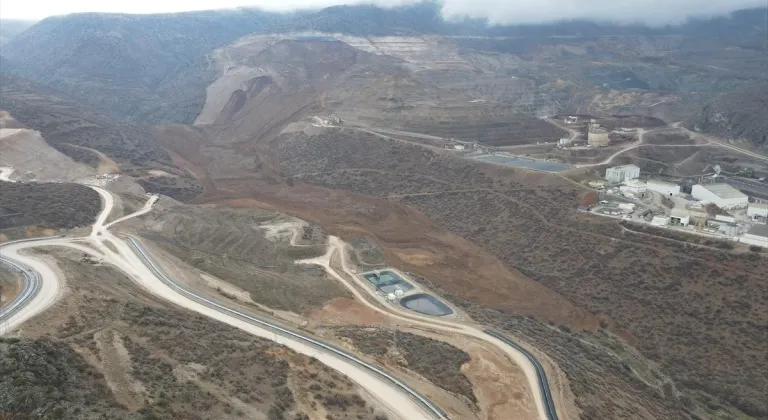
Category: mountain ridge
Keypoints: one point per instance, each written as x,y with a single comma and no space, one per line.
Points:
155,69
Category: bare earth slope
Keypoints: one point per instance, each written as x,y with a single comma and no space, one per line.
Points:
32,158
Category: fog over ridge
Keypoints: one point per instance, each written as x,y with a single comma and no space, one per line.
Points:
651,12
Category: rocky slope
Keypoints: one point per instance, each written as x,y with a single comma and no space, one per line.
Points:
155,68
740,116
130,65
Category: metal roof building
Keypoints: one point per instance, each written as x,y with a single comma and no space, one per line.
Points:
666,188
622,173
757,209
722,195
757,235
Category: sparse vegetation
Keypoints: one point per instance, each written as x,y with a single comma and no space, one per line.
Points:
437,361
180,189
365,253
47,379
62,121
47,205
232,245
180,365
694,310
736,115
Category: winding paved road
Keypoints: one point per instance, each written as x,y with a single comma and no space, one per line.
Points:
43,286
526,362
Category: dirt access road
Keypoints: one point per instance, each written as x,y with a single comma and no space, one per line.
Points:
108,248
710,141
336,246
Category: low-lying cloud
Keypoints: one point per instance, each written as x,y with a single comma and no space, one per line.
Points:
653,12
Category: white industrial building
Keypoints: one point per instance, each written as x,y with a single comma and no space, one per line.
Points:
730,229
661,187
755,210
725,219
722,195
622,173
681,217
757,235
633,186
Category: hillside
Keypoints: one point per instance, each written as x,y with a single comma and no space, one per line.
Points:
110,350
9,28
350,118
81,132
143,67
155,68
62,120
740,116
47,205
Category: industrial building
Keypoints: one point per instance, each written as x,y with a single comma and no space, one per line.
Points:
661,187
622,173
680,217
633,186
698,218
730,229
755,210
597,136
722,195
757,235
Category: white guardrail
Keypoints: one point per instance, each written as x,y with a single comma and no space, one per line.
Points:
428,405
32,280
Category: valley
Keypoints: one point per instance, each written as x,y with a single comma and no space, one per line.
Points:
199,226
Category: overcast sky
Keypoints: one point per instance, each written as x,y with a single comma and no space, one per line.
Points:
498,11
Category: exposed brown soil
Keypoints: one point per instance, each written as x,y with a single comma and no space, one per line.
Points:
343,311
500,389
340,181
463,268
483,233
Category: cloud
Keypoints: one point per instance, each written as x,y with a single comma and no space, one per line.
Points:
652,12
496,11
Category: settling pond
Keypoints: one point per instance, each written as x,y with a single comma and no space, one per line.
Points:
387,281
426,304
519,162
